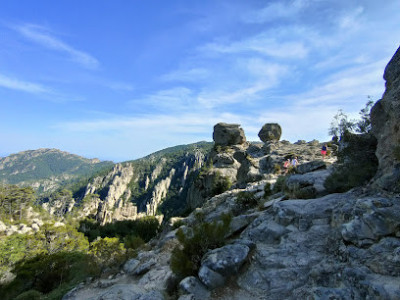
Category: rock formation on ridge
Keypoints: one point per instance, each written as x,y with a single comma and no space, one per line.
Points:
270,132
385,119
228,134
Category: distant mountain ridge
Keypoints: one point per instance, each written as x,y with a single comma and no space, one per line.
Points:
47,169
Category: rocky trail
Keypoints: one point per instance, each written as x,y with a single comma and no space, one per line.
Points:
331,246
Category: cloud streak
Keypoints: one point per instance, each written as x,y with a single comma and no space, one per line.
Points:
274,11
262,44
20,85
40,35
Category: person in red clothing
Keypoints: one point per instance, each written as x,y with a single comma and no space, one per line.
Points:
286,165
323,151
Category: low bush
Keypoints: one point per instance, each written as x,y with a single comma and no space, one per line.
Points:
47,274
396,153
357,163
267,190
279,184
30,295
133,242
107,252
220,184
178,224
277,169
186,258
246,200
297,192
146,228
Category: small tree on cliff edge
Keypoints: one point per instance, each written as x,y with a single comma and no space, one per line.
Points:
342,124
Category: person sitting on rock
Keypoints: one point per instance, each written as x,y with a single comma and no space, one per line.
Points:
323,151
286,165
295,162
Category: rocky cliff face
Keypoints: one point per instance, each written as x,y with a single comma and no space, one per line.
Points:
135,189
385,118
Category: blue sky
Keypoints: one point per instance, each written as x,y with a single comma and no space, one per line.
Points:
119,80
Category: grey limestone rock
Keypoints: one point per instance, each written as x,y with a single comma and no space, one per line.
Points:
270,132
191,285
228,134
385,120
130,265
311,166
226,260
306,186
211,278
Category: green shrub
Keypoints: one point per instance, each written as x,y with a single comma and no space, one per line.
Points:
133,242
297,192
279,184
220,184
47,273
107,252
277,169
146,228
186,258
356,165
267,190
29,295
246,200
396,153
178,224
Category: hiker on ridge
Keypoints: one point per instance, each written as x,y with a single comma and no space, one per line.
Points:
323,151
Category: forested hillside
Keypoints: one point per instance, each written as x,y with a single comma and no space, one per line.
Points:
47,169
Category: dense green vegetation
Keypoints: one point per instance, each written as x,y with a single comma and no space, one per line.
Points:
144,228
51,261
245,201
357,162
49,276
14,201
186,258
220,184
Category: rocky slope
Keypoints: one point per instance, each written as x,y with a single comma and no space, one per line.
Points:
154,185
336,246
46,169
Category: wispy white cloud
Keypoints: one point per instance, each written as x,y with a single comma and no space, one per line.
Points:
347,87
172,100
20,85
262,44
43,37
187,75
274,11
351,20
264,76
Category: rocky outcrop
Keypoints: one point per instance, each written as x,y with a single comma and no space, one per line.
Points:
228,134
306,248
241,164
385,119
270,132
